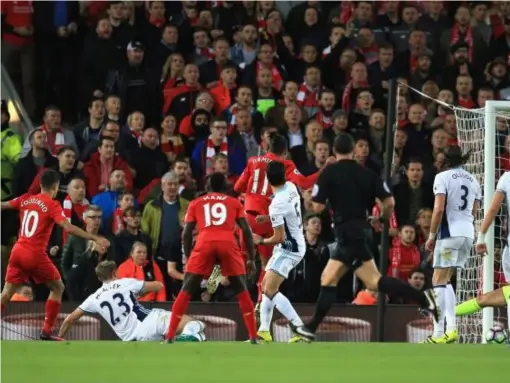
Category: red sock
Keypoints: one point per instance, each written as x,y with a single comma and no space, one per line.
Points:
259,285
51,311
179,307
247,309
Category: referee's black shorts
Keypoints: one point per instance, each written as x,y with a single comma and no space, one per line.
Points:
354,239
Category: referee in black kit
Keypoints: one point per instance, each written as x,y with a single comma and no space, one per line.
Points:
351,190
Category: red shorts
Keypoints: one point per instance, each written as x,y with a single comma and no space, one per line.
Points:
22,266
265,230
224,253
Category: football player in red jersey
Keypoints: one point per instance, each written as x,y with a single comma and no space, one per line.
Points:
253,182
28,257
215,215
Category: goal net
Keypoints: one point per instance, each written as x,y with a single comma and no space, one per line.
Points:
484,132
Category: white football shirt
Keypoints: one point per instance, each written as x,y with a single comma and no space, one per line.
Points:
504,187
461,190
116,302
285,210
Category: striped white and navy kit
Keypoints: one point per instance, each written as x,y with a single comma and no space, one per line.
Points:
285,210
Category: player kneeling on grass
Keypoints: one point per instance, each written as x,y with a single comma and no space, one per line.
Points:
285,216
116,302
215,214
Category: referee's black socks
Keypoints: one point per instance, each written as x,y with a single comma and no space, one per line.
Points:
394,286
327,297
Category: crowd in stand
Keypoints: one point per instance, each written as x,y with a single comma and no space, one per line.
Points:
133,96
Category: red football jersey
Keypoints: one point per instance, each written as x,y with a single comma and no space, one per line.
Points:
254,182
38,214
215,215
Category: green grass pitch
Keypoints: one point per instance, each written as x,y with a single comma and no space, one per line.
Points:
132,362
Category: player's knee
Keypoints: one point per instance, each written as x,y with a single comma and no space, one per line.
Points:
57,287
328,279
440,277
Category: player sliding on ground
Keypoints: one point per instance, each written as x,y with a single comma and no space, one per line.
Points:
116,302
457,199
254,183
285,217
500,297
351,190
216,215
29,259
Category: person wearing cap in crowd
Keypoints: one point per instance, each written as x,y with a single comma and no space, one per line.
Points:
496,75
136,85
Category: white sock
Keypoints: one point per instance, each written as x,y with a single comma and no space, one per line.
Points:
285,307
441,301
451,302
266,313
192,328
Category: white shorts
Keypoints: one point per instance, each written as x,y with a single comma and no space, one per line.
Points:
452,252
505,263
282,262
154,326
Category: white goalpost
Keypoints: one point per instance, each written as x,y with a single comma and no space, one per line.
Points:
483,132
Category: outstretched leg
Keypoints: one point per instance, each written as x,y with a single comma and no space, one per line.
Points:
190,284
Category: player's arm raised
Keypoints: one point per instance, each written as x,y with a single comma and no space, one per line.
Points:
242,182
304,182
10,205
68,322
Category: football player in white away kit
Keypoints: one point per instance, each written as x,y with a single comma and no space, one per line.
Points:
500,297
457,199
285,216
116,302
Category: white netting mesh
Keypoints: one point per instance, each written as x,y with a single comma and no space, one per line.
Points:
471,135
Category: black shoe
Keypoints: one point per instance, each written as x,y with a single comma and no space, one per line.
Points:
254,341
304,332
50,337
432,306
168,340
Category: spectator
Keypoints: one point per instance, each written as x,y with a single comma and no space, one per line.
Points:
265,59
224,92
111,130
100,43
56,136
245,52
292,128
126,201
90,130
195,126
132,132
113,106
202,53
98,169
149,161
309,90
210,70
327,102
499,45
162,220
140,266
217,142
67,169
274,115
245,128
220,165
122,31
172,73
136,84
167,46
404,256
80,257
417,279
125,239
413,194
171,141
28,166
243,100
23,294
107,199
362,154
178,99
75,204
